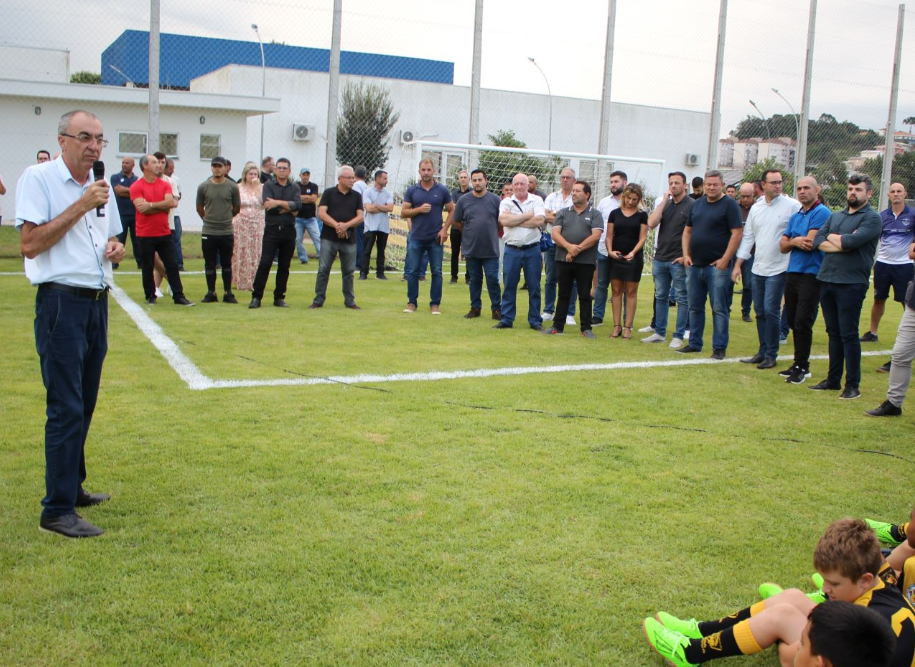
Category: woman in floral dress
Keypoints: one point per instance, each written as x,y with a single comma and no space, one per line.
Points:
249,229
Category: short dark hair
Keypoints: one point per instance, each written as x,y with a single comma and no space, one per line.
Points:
619,173
282,159
266,159
585,186
38,154
714,173
677,173
698,181
379,173
858,179
849,635
360,172
479,171
765,174
508,183
159,155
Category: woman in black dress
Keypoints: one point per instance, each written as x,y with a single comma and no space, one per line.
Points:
627,229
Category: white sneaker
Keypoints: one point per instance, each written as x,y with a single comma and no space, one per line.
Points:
648,329
570,320
158,293
654,338
546,317
676,343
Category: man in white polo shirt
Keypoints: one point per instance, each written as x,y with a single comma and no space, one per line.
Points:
765,226
521,216
68,235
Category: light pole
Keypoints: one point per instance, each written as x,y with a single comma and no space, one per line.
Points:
797,136
129,80
768,134
263,82
550,94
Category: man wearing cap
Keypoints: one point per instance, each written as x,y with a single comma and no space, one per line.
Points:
306,218
218,201
282,198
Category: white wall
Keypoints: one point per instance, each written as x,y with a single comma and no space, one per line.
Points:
443,111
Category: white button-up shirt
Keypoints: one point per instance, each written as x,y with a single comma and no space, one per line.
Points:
521,236
555,202
606,206
78,259
765,227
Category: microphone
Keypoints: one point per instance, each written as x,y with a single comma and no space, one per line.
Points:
98,171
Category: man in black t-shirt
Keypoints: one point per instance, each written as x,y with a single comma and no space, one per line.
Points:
710,239
341,212
306,218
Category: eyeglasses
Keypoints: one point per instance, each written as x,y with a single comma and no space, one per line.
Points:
774,182
86,138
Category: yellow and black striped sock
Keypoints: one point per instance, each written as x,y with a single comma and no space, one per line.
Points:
736,640
711,627
900,533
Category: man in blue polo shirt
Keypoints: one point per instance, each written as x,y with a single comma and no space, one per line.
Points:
802,289
893,267
423,205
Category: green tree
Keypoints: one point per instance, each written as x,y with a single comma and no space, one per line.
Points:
910,121
903,172
832,176
501,167
367,116
86,77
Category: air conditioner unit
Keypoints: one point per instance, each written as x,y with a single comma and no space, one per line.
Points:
692,160
302,132
406,137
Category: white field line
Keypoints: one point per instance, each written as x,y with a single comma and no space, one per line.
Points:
196,380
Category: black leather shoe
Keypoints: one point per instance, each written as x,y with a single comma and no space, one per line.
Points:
85,499
766,363
363,276
315,306
688,349
747,318
69,525
825,385
502,325
537,327
209,297
228,297
280,303
255,302
473,312
353,306
755,359
885,409
850,393
183,301
718,355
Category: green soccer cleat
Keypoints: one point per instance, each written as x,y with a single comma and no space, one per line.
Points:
884,533
817,597
817,580
669,644
768,590
689,629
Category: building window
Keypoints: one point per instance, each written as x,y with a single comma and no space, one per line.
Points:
209,146
131,143
134,143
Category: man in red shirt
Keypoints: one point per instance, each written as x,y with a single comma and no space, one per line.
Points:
153,198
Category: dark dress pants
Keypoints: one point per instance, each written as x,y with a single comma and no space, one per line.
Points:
279,241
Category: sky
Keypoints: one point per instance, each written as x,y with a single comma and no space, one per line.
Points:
664,50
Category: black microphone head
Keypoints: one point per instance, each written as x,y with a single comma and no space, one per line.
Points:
98,170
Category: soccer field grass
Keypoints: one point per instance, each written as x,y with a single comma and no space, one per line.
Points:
505,520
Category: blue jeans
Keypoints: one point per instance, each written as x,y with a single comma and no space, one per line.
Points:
841,306
667,274
514,262
603,283
416,251
176,237
309,225
702,282
767,301
406,263
71,336
476,268
746,276
549,288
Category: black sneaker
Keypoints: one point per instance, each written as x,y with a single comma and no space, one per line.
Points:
869,338
69,525
788,371
885,409
798,375
209,297
850,393
151,301
825,385
228,297
718,355
597,321
688,349
363,276
182,301
885,368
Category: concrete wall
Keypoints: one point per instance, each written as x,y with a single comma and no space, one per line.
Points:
34,64
442,112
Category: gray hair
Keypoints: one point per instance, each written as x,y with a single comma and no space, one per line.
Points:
64,124
342,168
144,161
